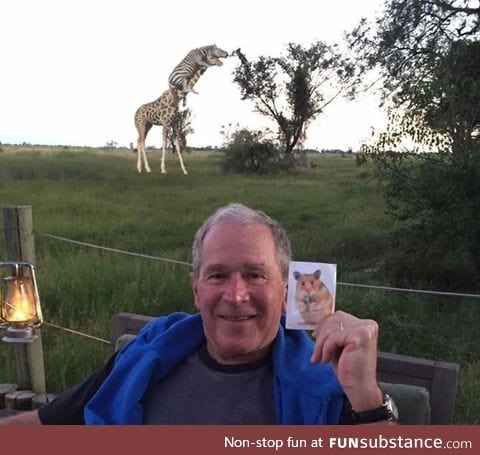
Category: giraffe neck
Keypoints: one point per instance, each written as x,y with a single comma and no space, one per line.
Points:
191,83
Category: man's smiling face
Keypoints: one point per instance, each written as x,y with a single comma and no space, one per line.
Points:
239,291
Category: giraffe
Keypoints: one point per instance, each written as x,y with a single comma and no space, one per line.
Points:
162,112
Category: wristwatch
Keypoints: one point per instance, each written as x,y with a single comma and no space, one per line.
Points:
387,411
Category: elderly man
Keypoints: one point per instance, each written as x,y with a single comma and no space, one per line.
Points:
234,362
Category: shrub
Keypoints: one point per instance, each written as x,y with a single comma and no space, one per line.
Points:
249,152
435,202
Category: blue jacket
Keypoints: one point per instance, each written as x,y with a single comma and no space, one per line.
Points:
305,393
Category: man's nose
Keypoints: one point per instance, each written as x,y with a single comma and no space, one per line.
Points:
236,290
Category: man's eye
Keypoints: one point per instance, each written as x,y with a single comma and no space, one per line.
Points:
216,276
256,277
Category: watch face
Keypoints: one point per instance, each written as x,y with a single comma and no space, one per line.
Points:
391,406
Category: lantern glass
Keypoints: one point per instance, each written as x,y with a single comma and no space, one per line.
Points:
19,302
19,305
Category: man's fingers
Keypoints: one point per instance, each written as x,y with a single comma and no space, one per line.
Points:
328,345
332,348
341,330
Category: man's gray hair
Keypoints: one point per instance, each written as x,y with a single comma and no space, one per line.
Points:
241,214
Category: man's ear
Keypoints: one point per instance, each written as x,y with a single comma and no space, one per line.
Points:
193,283
284,306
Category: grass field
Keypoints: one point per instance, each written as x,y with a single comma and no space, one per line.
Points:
333,213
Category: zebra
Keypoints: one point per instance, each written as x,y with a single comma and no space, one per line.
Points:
200,58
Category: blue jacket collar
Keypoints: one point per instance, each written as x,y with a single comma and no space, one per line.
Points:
304,393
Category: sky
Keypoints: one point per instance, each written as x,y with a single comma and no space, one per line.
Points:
73,72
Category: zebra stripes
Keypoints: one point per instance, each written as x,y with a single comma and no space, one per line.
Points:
200,58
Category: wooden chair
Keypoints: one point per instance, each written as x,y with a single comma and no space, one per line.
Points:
439,378
423,389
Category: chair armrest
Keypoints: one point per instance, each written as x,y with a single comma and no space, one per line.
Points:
413,402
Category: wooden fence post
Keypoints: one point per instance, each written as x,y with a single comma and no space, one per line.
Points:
18,224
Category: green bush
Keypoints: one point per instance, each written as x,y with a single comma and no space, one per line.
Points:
435,202
248,152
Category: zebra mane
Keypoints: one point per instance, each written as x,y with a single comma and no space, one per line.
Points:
206,48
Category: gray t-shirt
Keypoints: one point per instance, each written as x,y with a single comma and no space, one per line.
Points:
202,391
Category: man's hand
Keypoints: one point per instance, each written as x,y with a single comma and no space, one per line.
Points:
350,344
25,418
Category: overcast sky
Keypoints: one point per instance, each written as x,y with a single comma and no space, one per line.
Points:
74,72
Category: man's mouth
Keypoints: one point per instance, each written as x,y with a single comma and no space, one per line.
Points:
236,318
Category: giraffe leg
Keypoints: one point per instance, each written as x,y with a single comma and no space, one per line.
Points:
164,145
147,129
179,153
141,154
147,167
141,138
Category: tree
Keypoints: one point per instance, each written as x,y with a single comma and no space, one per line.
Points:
450,104
428,52
443,111
182,125
410,36
293,89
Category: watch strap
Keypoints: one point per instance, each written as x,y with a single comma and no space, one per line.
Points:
382,413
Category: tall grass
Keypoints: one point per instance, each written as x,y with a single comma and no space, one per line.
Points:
333,213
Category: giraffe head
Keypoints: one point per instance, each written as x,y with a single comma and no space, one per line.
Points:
180,94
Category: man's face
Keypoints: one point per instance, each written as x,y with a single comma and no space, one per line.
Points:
239,291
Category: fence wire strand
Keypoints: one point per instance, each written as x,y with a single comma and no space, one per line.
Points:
156,258
417,291
174,261
76,332
112,250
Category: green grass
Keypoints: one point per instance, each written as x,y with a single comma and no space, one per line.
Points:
333,213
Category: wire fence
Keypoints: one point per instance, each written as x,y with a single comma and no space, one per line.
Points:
163,259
